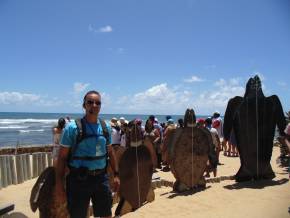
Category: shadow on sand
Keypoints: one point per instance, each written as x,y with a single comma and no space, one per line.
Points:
15,215
283,162
186,193
257,184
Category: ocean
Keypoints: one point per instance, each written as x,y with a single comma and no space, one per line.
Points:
20,129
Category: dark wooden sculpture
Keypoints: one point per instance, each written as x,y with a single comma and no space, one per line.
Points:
254,118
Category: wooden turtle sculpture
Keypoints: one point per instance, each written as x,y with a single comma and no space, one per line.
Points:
188,153
42,196
135,170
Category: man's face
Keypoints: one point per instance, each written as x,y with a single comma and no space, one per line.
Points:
93,104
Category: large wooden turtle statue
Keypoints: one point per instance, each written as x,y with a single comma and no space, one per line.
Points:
188,153
253,119
43,195
135,170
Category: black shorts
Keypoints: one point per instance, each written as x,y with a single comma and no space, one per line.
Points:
94,188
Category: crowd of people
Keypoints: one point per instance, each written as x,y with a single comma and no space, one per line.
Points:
157,133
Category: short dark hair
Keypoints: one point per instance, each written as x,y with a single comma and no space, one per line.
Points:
88,93
152,117
61,122
208,121
168,117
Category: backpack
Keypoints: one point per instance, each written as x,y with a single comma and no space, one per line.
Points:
81,127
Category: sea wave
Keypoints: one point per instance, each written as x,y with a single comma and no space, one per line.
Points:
21,121
31,130
14,127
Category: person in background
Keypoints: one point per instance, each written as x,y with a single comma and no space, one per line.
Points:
122,121
168,117
216,142
116,132
151,140
219,128
158,142
57,132
124,129
200,123
87,160
287,141
139,123
180,123
67,120
232,143
170,127
215,125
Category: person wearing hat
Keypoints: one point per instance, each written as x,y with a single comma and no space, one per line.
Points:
116,132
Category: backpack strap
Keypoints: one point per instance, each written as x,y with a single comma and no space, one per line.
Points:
81,128
105,131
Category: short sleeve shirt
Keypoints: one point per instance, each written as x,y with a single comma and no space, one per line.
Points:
88,147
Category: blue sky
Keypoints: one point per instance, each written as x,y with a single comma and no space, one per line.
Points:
145,56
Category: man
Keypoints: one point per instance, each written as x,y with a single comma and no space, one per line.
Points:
87,179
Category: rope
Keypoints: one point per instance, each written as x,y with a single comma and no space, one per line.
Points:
137,163
191,155
257,133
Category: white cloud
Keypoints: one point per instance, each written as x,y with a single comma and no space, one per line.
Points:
80,87
162,99
156,99
193,79
50,102
106,100
18,98
28,100
218,96
105,29
220,82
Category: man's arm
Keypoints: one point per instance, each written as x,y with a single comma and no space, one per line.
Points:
115,167
113,160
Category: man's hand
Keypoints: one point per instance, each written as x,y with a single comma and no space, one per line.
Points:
116,184
60,194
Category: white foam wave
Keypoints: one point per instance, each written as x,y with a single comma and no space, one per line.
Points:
32,130
14,127
21,121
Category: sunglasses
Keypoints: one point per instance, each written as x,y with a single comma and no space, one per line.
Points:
91,102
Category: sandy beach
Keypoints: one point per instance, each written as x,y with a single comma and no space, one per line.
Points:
224,198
